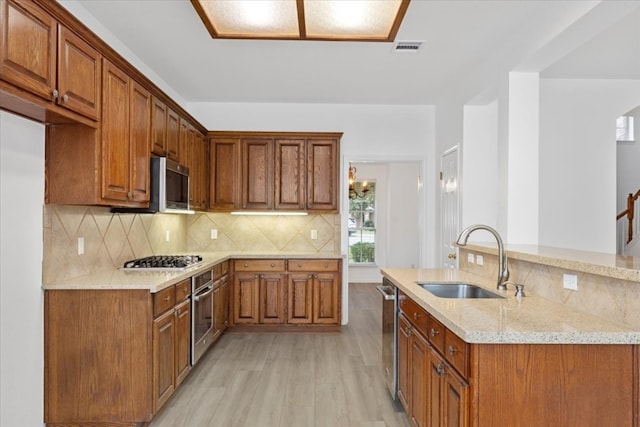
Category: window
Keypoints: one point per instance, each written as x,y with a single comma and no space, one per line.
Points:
362,223
624,128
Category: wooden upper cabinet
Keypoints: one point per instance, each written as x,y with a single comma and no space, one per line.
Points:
173,135
322,174
224,177
158,127
194,155
126,133
257,173
79,74
48,60
290,178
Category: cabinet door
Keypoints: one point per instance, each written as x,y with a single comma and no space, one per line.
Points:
79,74
116,156
455,397
326,289
183,341
158,127
173,135
163,359
418,365
28,47
300,298
139,139
224,296
245,298
290,178
187,157
404,340
272,298
225,166
322,174
257,173
435,371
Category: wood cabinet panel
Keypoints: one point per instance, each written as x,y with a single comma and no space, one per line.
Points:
173,135
290,178
300,298
221,306
259,265
164,332
182,315
404,346
79,75
158,127
272,298
224,184
163,300
245,298
326,307
314,265
139,137
257,173
419,353
322,174
28,43
97,366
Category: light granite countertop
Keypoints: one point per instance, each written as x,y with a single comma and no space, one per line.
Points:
155,281
528,320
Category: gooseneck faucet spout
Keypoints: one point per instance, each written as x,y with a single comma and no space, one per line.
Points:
503,268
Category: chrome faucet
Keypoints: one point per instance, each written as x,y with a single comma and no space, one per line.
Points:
503,268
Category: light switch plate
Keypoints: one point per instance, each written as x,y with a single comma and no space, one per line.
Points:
479,259
570,281
314,234
471,258
80,245
214,233
167,236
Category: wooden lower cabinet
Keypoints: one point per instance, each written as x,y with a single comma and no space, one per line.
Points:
220,306
443,381
164,342
287,292
182,314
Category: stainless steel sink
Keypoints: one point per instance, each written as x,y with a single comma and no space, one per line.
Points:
457,290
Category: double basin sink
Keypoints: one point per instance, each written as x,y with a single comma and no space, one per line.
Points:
457,290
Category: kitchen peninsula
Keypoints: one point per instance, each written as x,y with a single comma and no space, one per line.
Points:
543,359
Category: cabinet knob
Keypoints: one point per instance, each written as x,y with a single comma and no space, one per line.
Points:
245,265
65,98
326,265
452,350
440,370
416,316
273,265
167,298
434,332
55,94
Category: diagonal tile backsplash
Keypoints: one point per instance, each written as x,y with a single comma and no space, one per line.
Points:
110,239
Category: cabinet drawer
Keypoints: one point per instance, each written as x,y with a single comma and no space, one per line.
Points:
183,290
163,300
416,314
260,265
315,265
436,333
224,268
456,352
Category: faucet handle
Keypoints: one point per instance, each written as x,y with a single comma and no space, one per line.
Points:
519,288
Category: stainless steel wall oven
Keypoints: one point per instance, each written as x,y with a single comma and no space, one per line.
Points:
201,314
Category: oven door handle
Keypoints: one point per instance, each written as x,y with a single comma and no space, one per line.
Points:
387,292
204,294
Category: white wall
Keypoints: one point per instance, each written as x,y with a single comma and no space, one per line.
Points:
578,160
21,297
479,174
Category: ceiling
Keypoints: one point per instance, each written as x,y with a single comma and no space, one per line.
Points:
169,37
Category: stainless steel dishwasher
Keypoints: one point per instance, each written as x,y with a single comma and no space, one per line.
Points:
389,339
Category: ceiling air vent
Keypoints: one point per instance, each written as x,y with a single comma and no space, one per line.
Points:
407,47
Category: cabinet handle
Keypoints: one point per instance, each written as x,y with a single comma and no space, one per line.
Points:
245,265
167,298
65,98
452,350
440,370
272,265
299,265
310,276
416,316
434,332
55,94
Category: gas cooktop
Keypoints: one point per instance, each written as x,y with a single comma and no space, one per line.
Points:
162,263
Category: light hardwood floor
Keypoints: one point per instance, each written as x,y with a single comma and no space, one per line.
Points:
292,380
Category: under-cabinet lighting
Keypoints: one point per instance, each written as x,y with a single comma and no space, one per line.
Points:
267,213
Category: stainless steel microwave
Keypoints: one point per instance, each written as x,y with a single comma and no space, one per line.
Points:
169,186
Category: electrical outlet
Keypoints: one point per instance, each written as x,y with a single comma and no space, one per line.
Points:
167,236
479,259
471,258
314,234
570,281
80,245
214,233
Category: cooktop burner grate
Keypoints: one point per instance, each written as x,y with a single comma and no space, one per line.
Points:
163,262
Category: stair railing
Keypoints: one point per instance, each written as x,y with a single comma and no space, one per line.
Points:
633,205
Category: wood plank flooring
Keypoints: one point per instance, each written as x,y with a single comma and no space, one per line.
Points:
292,380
